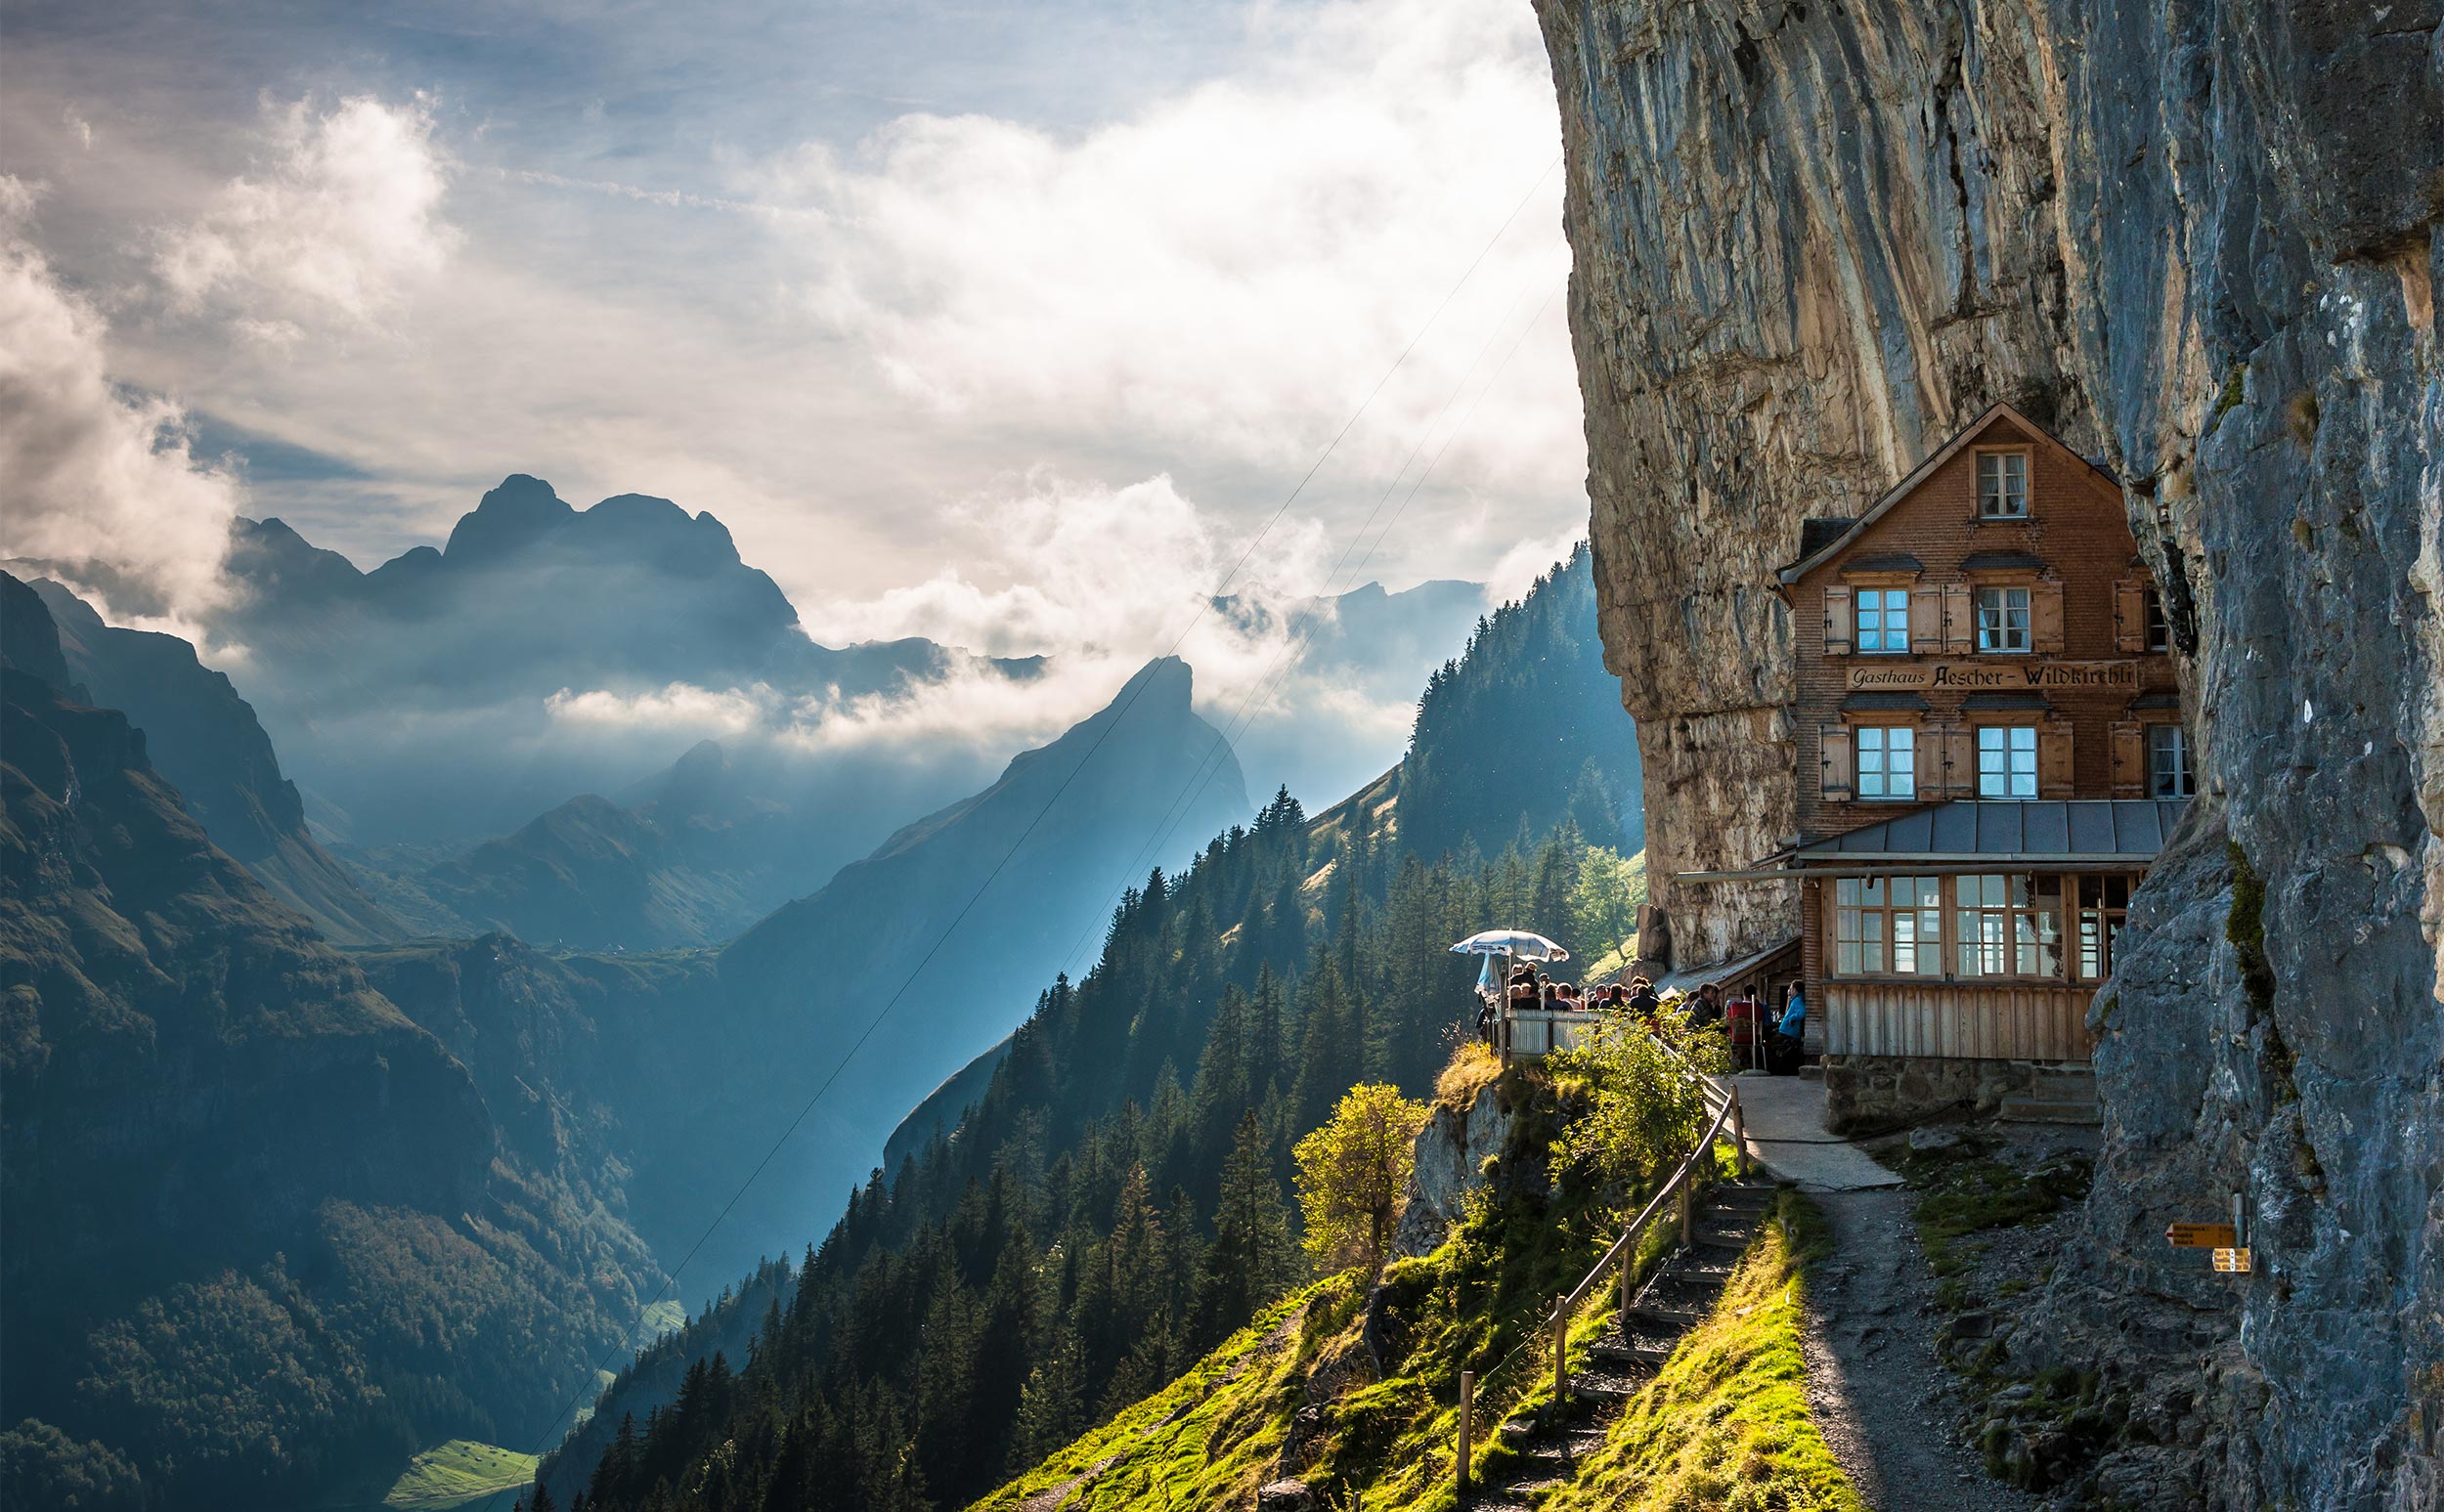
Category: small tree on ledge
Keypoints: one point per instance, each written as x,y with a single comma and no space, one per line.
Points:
1352,1172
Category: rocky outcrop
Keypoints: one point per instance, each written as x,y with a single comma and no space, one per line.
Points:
207,743
1450,1154
2199,240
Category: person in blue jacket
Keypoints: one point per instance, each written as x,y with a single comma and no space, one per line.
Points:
1790,1035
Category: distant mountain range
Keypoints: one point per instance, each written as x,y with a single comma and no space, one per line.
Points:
504,733
277,1215
418,698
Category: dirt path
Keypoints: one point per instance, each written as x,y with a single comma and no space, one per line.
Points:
1883,1400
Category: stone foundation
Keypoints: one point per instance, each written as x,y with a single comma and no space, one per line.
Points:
1871,1093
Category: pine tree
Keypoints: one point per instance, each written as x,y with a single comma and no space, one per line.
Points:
1250,1259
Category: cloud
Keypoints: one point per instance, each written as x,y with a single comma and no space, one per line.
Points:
1516,569
96,474
1230,269
343,215
683,707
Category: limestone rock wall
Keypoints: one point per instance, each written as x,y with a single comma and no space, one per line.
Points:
2199,240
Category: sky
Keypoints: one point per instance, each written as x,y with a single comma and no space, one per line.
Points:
926,302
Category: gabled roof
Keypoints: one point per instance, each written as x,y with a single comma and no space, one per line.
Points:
2038,832
1816,545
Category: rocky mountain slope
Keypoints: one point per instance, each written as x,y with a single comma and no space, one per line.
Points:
417,701
264,1235
2202,241
210,747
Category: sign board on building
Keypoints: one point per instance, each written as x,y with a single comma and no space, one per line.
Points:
2201,1237
1992,676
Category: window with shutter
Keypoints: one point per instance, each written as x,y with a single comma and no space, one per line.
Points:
2006,760
1837,622
1833,756
2045,632
2129,614
2002,618
2053,760
1888,762
2003,485
1883,620
2129,758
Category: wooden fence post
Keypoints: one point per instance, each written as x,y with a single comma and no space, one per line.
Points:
1562,1354
1740,1135
1688,1217
1467,1404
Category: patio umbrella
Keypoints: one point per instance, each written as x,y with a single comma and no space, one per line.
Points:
1522,943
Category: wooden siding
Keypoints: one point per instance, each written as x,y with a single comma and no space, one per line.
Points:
2032,1021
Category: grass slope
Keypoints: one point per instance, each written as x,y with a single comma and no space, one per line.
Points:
460,1473
1206,1440
1725,1424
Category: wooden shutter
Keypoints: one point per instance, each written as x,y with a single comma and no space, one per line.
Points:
1833,756
1839,622
1931,781
1959,621
2053,759
2130,614
1958,761
2045,618
1926,621
2129,758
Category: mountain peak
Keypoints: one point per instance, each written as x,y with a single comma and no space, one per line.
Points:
518,511
1166,679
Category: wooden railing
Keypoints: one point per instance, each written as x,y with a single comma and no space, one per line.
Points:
1725,1119
1621,1258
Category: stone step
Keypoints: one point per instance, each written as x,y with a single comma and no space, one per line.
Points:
1708,1264
1647,1320
1632,1350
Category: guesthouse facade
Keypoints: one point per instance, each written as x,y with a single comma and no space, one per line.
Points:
1991,750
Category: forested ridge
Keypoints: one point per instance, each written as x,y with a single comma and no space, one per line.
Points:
1115,1203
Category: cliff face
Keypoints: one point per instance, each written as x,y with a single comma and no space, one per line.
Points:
2200,239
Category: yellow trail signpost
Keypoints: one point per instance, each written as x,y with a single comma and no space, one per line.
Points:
2201,1237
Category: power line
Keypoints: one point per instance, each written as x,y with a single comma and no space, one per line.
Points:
1205,607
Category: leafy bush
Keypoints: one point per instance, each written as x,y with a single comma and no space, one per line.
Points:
1352,1171
1644,1110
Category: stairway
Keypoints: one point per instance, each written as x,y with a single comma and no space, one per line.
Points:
1551,1440
2061,1095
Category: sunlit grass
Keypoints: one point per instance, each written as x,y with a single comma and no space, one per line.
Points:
1725,1424
460,1473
